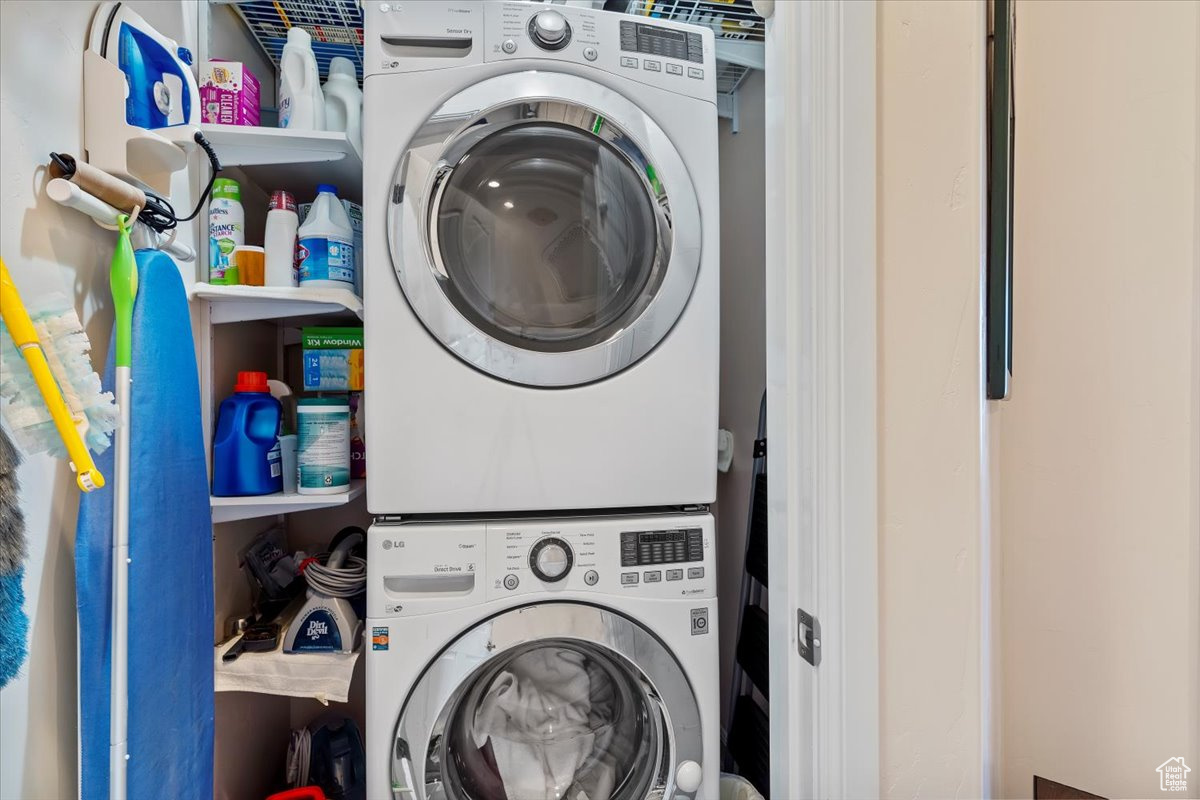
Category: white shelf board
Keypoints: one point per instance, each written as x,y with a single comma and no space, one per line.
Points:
295,161
244,303
232,509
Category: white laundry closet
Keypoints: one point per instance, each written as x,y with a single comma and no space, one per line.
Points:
237,331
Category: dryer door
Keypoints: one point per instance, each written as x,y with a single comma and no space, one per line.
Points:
554,701
544,229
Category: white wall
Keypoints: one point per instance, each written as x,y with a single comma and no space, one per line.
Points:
1099,500
933,549
48,248
743,346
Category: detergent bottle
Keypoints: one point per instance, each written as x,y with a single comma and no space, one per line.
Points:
301,103
246,458
343,100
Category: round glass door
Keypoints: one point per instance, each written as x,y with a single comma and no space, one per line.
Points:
554,720
504,713
541,240
548,236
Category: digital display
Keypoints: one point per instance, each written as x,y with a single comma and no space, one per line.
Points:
644,548
655,40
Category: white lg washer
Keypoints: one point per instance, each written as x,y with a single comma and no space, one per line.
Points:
552,658
541,259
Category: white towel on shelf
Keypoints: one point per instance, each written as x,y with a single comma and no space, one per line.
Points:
538,715
324,676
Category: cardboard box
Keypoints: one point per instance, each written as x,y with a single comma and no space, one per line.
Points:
333,359
229,93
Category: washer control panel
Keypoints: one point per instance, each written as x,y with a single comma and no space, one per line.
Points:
418,35
659,52
419,568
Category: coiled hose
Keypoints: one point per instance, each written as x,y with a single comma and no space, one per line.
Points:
337,573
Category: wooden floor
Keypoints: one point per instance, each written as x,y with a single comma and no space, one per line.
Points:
1045,789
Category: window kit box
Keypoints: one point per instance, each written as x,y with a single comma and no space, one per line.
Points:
333,359
356,219
229,93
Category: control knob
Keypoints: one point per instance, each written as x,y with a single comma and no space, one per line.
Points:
549,30
551,559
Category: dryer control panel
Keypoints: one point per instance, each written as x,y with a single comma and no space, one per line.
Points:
427,567
415,35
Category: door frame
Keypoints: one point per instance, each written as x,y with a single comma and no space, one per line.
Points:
821,390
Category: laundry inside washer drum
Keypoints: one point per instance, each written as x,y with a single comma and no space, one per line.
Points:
549,237
554,720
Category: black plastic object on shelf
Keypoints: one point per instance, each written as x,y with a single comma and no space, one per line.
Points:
748,743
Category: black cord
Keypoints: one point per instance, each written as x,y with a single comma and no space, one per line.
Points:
159,214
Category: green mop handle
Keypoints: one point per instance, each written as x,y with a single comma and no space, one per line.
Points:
123,278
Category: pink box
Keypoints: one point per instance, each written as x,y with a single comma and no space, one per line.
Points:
229,93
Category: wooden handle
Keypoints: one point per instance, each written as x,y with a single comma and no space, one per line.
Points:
117,193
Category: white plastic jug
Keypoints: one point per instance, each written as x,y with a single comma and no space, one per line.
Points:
343,100
301,102
326,247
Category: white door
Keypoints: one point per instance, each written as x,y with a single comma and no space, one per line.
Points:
821,362
544,229
555,700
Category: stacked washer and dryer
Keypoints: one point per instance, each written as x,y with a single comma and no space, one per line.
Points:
541,294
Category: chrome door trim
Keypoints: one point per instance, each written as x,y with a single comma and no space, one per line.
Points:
667,689
439,144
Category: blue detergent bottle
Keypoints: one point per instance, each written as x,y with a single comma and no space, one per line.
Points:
246,458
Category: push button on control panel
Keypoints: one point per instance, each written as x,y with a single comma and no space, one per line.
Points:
674,574
590,53
651,65
629,578
509,46
628,61
695,72
654,576
695,572
591,577
674,69
511,581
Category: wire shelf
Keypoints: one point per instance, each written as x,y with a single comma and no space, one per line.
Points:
727,19
336,27
730,76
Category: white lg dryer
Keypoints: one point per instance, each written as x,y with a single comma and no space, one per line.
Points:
552,659
541,259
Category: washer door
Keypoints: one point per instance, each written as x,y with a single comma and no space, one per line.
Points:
552,239
547,702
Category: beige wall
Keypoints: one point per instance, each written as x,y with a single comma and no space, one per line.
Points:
1099,484
933,554
743,345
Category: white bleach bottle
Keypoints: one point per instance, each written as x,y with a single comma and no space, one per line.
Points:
301,102
343,100
326,246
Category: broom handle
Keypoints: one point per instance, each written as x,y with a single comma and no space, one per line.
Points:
24,336
119,687
123,279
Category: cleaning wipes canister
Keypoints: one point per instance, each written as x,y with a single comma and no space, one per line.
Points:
326,246
323,445
226,230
